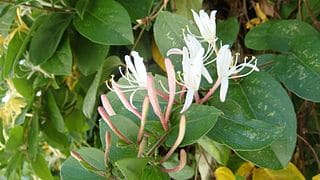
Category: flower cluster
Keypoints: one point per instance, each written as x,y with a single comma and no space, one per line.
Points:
195,58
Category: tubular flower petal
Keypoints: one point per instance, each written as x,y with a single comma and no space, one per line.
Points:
226,67
193,67
137,79
206,25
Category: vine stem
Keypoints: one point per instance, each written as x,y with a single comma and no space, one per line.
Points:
311,149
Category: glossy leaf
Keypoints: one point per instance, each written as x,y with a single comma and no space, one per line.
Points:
72,169
54,113
89,55
61,61
94,157
117,152
91,96
196,126
132,168
105,22
218,151
263,98
227,31
131,6
40,167
300,70
277,34
154,173
240,132
183,7
49,33
33,137
168,33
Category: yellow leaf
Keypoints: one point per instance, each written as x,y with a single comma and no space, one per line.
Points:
158,58
291,172
223,173
245,169
316,177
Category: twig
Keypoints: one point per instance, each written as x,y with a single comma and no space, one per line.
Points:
311,149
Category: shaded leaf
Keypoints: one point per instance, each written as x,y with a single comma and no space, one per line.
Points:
105,22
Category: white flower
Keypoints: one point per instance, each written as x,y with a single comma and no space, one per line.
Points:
193,67
206,25
137,79
227,67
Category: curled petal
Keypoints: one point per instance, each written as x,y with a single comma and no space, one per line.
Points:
107,119
188,100
107,106
182,130
154,101
182,163
172,86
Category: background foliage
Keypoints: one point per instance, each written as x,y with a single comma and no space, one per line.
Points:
56,55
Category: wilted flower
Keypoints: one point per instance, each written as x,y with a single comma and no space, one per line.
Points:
226,67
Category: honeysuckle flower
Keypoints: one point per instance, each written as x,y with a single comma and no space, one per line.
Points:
206,25
137,79
227,68
193,67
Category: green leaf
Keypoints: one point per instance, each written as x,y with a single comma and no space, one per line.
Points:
131,6
197,126
168,33
183,7
7,15
117,152
61,61
218,151
94,157
40,167
49,34
227,31
154,173
81,6
89,55
105,22
130,130
240,132
72,169
132,168
300,70
13,47
89,101
15,138
277,35
24,87
53,111
263,98
33,137
187,172
76,122
55,138
14,163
